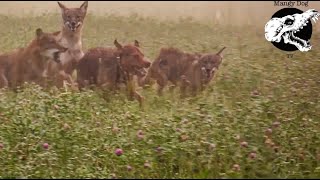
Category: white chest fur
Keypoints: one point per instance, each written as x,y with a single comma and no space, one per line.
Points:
74,51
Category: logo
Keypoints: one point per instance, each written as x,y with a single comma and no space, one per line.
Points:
290,29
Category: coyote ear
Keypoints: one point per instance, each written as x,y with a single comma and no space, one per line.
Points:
119,46
220,52
84,6
39,32
63,7
136,43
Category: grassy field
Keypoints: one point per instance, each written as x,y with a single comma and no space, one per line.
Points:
259,118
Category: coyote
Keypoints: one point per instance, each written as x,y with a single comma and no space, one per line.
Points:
110,67
29,64
182,68
201,72
70,37
170,64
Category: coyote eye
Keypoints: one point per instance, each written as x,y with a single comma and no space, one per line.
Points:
68,17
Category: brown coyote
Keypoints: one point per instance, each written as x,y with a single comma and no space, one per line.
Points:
182,68
29,64
201,72
110,67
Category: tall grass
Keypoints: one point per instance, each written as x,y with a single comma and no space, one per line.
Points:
258,119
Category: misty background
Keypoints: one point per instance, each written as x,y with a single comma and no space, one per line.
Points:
235,13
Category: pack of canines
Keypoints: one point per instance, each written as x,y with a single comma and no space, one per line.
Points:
29,64
110,67
69,37
55,56
192,70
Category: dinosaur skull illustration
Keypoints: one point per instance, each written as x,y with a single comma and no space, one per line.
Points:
287,26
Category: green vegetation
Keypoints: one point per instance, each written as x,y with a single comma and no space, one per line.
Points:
259,118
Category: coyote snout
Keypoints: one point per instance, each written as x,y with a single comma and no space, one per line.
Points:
49,47
142,61
132,59
207,72
146,62
73,25
56,55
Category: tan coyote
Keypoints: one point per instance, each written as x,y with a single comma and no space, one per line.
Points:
69,37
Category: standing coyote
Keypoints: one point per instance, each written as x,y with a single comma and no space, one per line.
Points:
70,37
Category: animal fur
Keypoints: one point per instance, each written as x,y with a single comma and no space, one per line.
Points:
201,72
170,64
182,69
110,67
70,37
29,64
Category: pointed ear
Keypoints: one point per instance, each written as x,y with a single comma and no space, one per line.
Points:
136,43
63,7
84,7
119,46
39,32
220,52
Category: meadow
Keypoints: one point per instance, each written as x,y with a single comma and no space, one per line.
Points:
259,118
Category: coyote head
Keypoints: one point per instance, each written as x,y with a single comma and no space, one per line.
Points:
73,17
131,58
209,63
47,45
